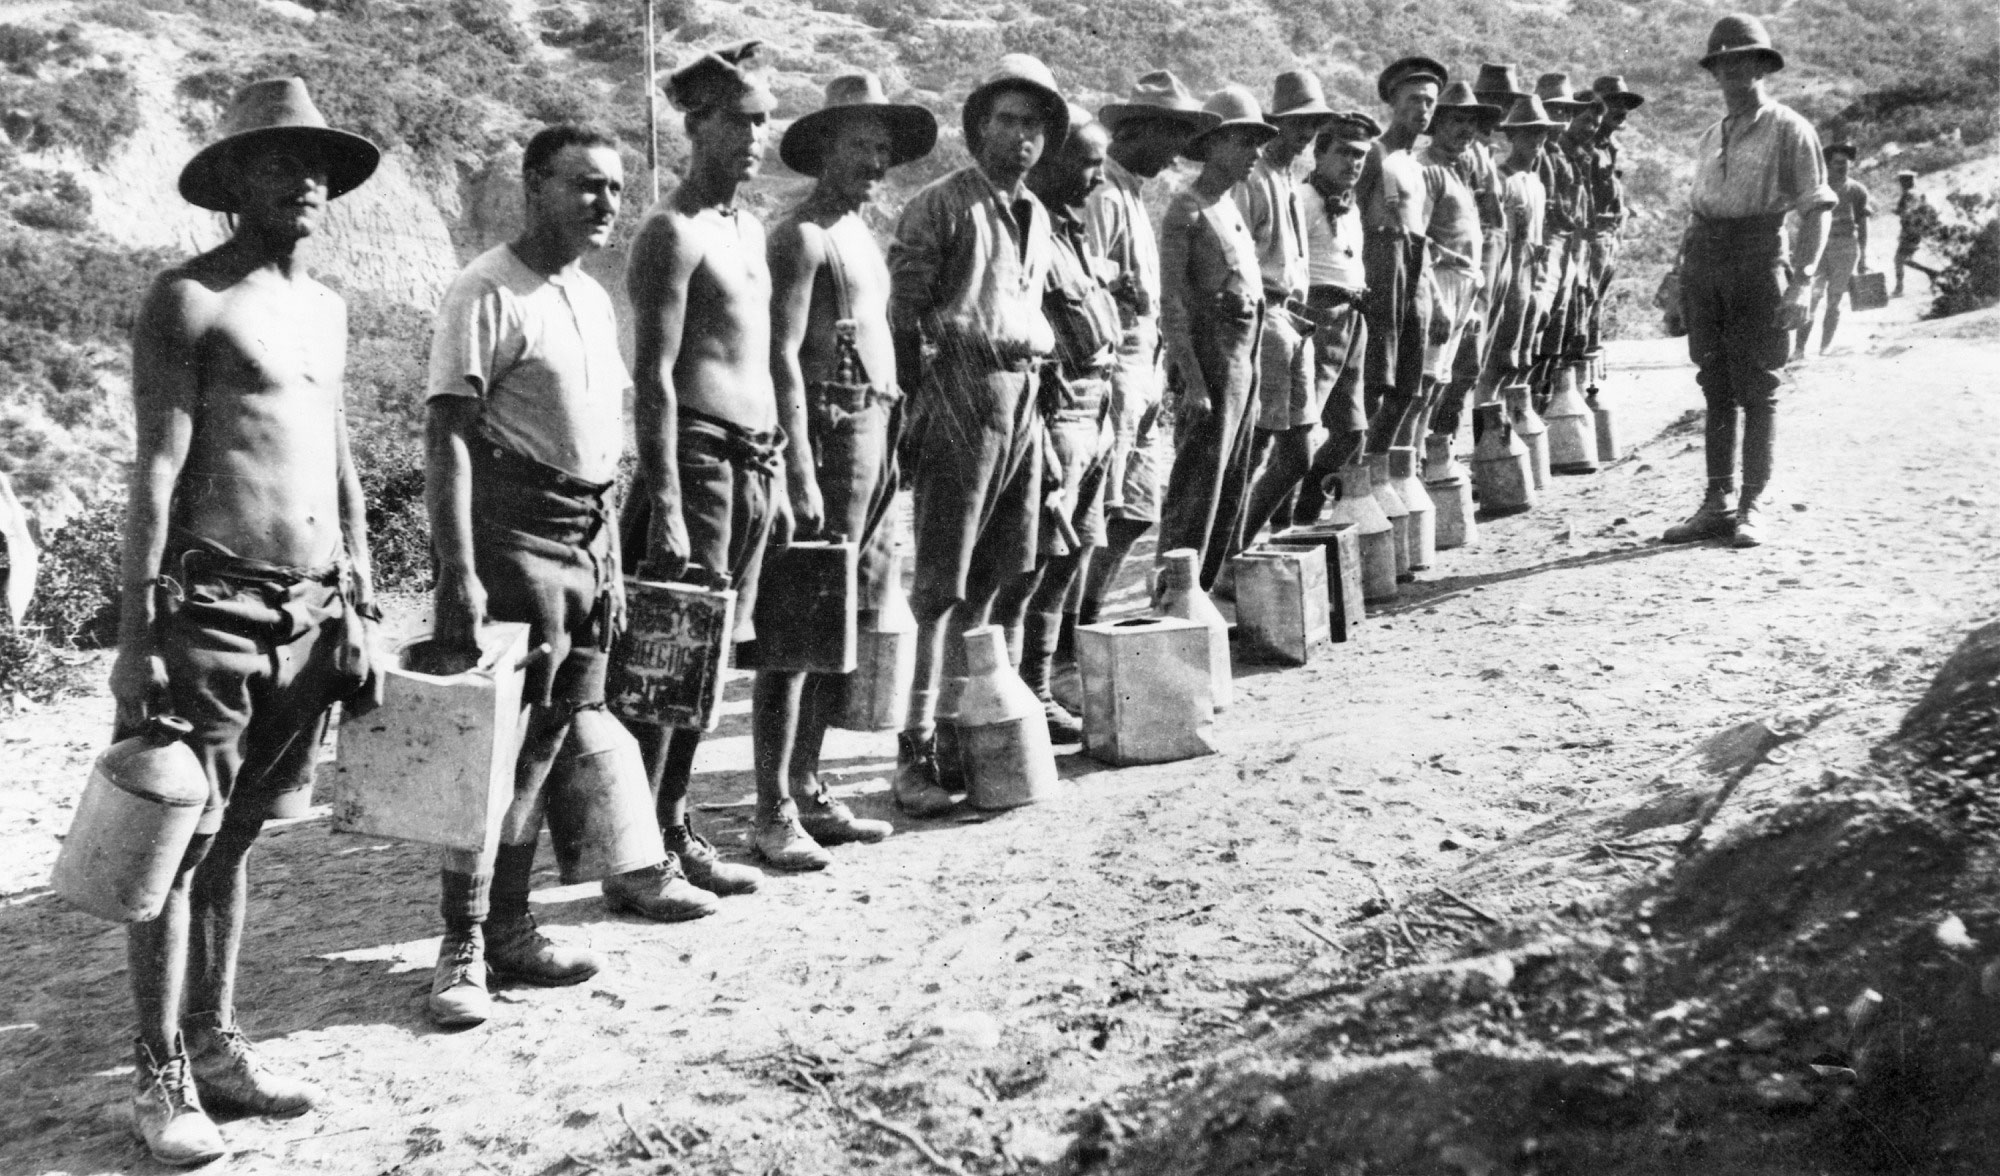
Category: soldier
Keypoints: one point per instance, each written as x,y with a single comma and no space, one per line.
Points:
1398,302
1148,132
526,424
1212,319
1565,224
968,267
1846,246
1512,347
1274,208
1607,196
834,366
1336,285
710,449
1457,226
1075,399
1915,220
246,579
1757,165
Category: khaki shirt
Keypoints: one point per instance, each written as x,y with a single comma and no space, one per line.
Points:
1121,232
968,270
1763,164
1269,201
1206,254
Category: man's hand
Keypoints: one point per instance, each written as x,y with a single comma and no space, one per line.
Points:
359,661
666,543
138,684
808,508
783,527
1794,313
460,609
618,613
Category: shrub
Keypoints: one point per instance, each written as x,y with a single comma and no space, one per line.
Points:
32,668
76,598
123,14
21,49
399,532
45,200
1971,277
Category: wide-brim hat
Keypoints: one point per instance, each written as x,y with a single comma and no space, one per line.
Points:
1498,80
1160,95
1231,106
1405,68
913,130
276,112
718,78
1027,74
1297,94
1557,95
1528,114
1741,33
1458,98
1611,88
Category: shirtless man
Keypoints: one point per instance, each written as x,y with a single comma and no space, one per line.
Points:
1392,216
834,366
709,444
245,569
967,269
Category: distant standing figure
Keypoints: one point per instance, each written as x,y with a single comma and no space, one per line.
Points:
1846,246
245,566
1916,219
1743,300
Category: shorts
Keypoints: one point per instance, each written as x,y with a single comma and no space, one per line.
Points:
1836,269
975,476
541,544
1140,453
1287,395
727,474
1077,455
252,653
1455,301
852,431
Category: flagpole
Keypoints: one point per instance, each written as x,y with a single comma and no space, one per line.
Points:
652,108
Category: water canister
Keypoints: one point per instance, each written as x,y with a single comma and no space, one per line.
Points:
1342,544
133,825
1534,433
1572,433
1383,487
885,661
600,806
1451,493
1423,513
1502,468
1003,735
667,667
806,609
1146,690
1354,505
1177,593
1281,603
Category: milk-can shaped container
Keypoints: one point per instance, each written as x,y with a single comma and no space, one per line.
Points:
885,661
1502,468
1451,494
1609,448
1534,433
1383,487
133,825
1177,593
1003,737
1423,514
1572,432
599,804
1353,504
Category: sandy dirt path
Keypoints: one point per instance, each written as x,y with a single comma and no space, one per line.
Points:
986,982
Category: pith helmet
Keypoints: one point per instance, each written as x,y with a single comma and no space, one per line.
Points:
1232,106
912,129
1741,33
276,112
1027,74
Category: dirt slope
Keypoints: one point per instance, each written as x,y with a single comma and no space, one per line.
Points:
1067,975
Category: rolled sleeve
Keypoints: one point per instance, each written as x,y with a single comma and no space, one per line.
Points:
1805,167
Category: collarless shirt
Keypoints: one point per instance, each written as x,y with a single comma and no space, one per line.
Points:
965,271
540,354
1333,242
1765,163
1121,232
1453,222
1269,202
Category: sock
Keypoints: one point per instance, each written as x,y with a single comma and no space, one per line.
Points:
465,901
1038,650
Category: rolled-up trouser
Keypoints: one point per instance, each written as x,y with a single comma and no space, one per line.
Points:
1733,280
1213,436
1139,454
975,476
1286,394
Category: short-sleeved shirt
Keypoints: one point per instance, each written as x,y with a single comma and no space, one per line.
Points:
1333,241
1269,201
968,268
1527,206
1854,206
1121,232
1453,223
1763,164
540,354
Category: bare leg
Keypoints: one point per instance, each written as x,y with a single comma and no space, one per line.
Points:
818,701
774,736
216,899
156,952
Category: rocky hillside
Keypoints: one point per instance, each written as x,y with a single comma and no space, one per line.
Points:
101,101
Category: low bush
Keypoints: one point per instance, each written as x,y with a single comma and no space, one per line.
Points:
76,596
34,669
399,531
1971,277
46,200
92,111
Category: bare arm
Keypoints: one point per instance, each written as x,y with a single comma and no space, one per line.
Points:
796,253
353,503
663,262
166,393
449,424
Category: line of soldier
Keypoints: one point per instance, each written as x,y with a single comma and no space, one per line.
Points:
1053,343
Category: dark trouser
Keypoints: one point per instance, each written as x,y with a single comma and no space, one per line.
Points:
1213,438
1732,288
1399,318
1339,355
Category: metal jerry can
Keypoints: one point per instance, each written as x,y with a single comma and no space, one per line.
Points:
1177,593
133,825
667,667
885,661
1342,544
805,615
435,762
599,804
1147,698
1281,606
1003,737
